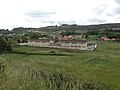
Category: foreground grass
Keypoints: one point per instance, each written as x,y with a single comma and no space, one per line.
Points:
99,68
31,78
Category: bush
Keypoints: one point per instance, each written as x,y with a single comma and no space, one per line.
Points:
52,51
3,65
59,81
5,45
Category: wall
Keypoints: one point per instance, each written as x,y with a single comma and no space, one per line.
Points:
81,46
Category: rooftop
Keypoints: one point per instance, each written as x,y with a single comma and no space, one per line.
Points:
40,40
84,41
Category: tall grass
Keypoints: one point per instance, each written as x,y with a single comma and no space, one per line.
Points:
25,77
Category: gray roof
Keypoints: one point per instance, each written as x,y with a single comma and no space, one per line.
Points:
76,41
40,40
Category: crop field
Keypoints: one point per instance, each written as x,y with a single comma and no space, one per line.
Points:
35,68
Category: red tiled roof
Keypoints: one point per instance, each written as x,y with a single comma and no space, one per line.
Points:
105,39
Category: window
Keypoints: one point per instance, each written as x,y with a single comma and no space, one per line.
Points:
66,42
73,42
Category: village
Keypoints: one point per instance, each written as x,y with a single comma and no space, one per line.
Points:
53,54
59,44
67,42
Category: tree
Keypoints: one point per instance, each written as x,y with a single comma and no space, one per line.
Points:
4,45
86,35
56,39
63,34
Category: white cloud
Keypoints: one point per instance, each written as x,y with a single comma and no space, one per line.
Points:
37,13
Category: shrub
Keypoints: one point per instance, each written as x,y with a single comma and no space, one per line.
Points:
3,65
52,51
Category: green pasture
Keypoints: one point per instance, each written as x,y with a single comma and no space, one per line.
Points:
101,66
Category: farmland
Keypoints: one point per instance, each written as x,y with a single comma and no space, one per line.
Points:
35,68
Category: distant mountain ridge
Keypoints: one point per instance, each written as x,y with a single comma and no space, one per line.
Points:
73,27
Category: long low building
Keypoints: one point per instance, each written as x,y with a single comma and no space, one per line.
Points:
67,44
74,44
40,42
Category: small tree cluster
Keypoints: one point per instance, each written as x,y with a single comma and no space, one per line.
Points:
5,44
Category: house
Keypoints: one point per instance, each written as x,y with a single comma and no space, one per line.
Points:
40,42
74,44
70,37
105,39
66,38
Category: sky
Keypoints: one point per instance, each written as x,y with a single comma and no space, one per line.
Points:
40,13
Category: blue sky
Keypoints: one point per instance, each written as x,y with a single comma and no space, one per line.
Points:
39,13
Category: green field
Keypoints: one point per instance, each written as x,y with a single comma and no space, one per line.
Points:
34,68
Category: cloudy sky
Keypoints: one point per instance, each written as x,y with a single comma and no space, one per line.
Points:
39,13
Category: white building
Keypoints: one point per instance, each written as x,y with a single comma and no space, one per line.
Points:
40,42
91,45
74,44
67,44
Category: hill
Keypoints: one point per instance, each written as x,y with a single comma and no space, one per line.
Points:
73,27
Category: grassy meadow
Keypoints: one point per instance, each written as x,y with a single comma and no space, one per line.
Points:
35,68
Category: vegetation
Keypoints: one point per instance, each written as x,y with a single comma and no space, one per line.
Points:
32,35
69,28
67,33
110,33
35,68
5,44
27,69
4,31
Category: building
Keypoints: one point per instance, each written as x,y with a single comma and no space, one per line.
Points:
40,42
105,39
91,45
67,44
74,44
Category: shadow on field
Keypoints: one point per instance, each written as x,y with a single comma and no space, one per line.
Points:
63,49
49,54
